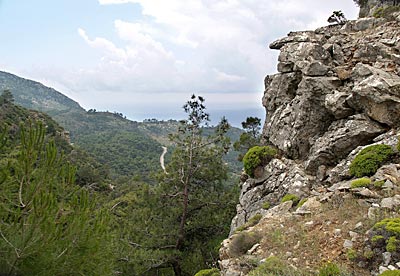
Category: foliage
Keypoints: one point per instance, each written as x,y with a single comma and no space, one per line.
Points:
398,144
391,225
331,269
273,266
208,272
294,198
361,182
301,202
390,273
176,226
49,226
337,17
250,223
391,245
242,242
367,162
379,184
250,138
257,156
385,12
266,205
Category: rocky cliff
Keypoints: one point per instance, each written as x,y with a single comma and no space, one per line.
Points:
336,93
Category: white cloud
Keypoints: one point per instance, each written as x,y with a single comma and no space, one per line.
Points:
204,46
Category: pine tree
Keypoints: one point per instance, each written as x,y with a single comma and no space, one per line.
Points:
48,225
177,225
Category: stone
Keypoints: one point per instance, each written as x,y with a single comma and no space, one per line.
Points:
392,267
365,193
387,258
382,269
312,205
373,213
253,249
347,244
378,96
315,68
391,203
285,67
337,232
359,225
340,139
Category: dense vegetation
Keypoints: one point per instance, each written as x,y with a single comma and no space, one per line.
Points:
62,214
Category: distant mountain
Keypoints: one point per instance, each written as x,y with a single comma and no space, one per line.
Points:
129,148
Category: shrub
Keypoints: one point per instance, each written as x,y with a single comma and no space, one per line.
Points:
274,266
390,273
294,198
257,156
351,254
361,182
385,12
329,269
391,245
391,225
368,161
398,144
377,238
379,184
266,205
301,202
251,222
243,242
208,272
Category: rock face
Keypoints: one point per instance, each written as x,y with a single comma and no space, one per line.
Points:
369,7
337,91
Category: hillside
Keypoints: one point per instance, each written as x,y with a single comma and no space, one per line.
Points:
328,202
127,147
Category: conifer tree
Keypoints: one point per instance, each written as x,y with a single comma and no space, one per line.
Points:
177,225
48,225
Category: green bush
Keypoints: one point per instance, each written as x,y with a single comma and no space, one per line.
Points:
301,202
251,222
390,273
330,269
266,205
273,266
361,182
208,272
398,144
243,242
379,184
391,245
294,198
391,225
368,161
257,156
377,238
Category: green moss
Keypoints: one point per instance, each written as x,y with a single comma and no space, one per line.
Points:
390,273
266,205
398,144
208,272
368,161
391,245
379,184
361,182
301,202
294,198
257,156
251,222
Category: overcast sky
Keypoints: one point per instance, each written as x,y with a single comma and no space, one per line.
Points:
144,58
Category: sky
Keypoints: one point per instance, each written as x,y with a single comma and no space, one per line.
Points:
145,58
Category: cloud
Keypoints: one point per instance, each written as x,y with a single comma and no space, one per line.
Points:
178,47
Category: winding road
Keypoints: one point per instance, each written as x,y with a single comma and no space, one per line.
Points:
162,159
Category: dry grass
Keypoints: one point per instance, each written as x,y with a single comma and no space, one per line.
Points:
308,245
